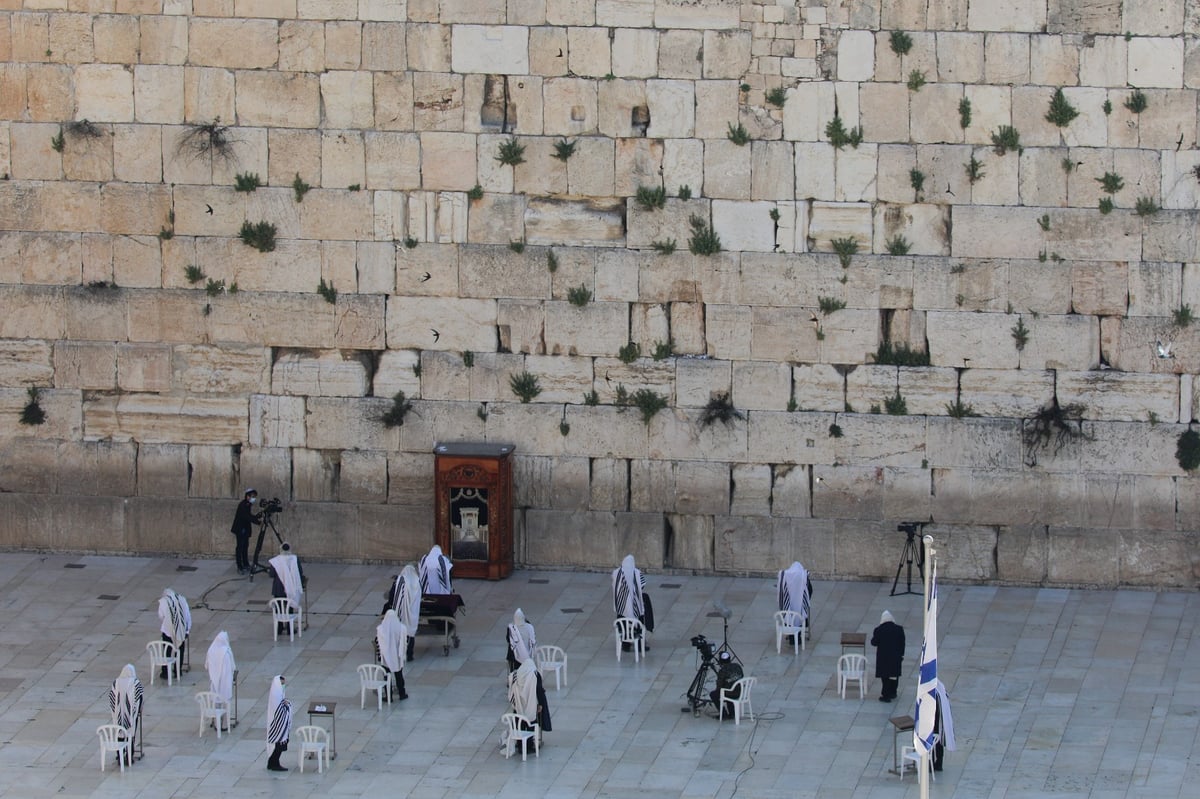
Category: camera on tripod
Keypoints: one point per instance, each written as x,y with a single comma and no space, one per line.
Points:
908,527
272,505
705,647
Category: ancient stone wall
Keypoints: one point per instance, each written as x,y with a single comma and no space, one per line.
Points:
924,251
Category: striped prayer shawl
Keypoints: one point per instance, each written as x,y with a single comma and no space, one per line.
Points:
281,723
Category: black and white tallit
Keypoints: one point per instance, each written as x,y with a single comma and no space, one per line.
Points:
435,572
279,714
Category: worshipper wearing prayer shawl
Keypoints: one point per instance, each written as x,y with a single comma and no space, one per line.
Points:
888,638
521,641
630,599
943,725
435,572
405,598
528,698
795,591
279,723
175,618
220,666
125,701
287,579
391,637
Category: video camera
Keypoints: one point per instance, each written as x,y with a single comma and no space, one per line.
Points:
705,647
908,527
272,505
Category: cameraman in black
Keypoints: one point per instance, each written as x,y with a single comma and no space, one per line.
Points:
242,520
728,673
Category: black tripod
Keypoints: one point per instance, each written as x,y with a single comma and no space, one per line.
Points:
708,674
268,520
911,551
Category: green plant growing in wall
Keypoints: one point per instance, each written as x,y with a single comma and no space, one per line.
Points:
579,296
327,291
830,305
777,96
719,409
651,198
300,188
900,42
738,135
1106,205
899,354
193,273
416,367
259,235
32,414
648,402
895,405
916,179
410,243
525,385
1020,334
1136,102
959,410
58,142
517,245
354,187
1187,450
246,182
468,358
1060,112
564,428
845,249
563,150
1006,138
704,239
1107,107
974,169
394,416
551,261
475,193
839,137
629,352
835,431
482,412
1146,206
1182,316
964,113
207,140
214,288
1053,426
1111,182
897,245
685,192
511,152
1067,165
1044,221
664,247
916,79
591,398
168,231
663,350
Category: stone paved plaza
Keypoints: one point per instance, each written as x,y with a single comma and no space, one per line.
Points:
1055,692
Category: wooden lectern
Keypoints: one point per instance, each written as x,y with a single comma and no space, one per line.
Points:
473,510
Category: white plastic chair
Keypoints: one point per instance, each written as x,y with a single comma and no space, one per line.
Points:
162,653
513,733
283,613
852,668
630,631
212,707
910,754
551,658
789,622
742,700
115,738
372,677
313,740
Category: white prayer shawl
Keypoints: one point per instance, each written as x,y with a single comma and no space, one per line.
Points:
522,691
628,584
175,616
125,699
521,637
279,714
793,589
220,666
947,719
393,639
435,572
288,569
408,599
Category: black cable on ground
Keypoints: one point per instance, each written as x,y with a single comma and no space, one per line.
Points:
750,748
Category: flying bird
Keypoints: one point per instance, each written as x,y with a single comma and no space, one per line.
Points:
425,277
208,209
1164,349
436,335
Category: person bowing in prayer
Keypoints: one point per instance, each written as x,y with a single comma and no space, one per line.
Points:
795,591
392,639
528,698
630,599
175,622
405,599
125,701
435,572
279,723
221,667
521,641
287,580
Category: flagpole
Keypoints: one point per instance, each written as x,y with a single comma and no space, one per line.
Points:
930,556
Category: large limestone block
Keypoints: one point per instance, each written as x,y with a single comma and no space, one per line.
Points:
353,322
986,496
855,173
868,386
497,219
761,386
928,390
782,334
314,475
410,478
619,101
233,43
702,488
1154,288
553,538
320,373
521,325
397,370
490,49
850,336
698,380
662,224
104,93
362,477
562,379
809,108
28,362
276,421
672,105
210,472
883,111
608,431
396,533
679,435
1180,189
751,493
848,492
598,328
634,52
224,369
461,324
818,387
787,437
753,545
1061,342
979,340
31,153
1120,396
63,408
726,53
609,484
726,170
881,439
1074,235
925,227
830,221
490,377
1083,557
1171,236
162,470
581,223
1021,15
974,443
348,423
773,175
611,374
987,232
32,258
1004,392
933,113
1133,345
278,99
144,367
744,226
501,273
1100,288
855,56
592,173
690,542
1156,62
164,419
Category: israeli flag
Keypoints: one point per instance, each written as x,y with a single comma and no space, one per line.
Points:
926,708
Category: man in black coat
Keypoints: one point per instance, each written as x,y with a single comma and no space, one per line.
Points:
888,639
242,520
